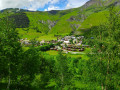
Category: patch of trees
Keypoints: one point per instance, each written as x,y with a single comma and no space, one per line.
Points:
105,51
20,20
45,47
54,12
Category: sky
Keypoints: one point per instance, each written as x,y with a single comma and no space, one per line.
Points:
41,5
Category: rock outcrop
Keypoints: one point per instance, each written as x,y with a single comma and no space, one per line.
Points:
100,3
49,23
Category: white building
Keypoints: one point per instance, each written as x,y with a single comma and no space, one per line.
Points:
66,42
42,42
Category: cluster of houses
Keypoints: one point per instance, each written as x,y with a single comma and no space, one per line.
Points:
71,43
68,43
27,42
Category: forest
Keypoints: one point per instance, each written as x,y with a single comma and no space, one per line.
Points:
32,69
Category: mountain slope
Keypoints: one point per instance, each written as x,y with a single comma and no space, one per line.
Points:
72,21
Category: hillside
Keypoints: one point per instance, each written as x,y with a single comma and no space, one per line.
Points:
73,21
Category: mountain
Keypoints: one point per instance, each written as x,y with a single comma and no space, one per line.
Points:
63,22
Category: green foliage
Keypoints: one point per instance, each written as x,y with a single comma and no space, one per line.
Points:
10,51
31,69
45,47
20,20
105,53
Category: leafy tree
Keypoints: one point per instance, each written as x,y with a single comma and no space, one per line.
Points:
62,73
103,63
10,51
29,66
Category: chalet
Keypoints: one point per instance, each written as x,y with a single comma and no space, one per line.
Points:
42,42
56,48
73,37
80,37
66,42
74,50
21,40
85,46
67,38
51,48
26,42
75,41
82,49
79,44
62,45
69,46
69,49
48,42
53,41
60,40
80,41
76,47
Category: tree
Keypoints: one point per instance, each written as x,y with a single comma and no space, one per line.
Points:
10,50
62,71
104,62
30,65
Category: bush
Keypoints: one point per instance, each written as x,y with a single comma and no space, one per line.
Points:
45,47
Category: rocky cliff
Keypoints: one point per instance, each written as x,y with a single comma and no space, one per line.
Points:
100,3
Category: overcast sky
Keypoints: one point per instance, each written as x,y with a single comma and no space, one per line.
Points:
41,5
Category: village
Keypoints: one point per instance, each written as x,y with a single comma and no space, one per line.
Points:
65,44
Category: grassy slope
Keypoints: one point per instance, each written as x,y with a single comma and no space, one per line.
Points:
63,26
95,17
35,18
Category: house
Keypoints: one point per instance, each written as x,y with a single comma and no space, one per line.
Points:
67,38
58,48
69,49
48,42
69,46
42,42
74,50
73,37
62,45
85,46
76,47
53,41
26,42
80,37
75,41
60,40
79,44
66,42
51,48
82,49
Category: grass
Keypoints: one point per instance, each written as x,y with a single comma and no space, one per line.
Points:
25,48
47,37
31,34
54,53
